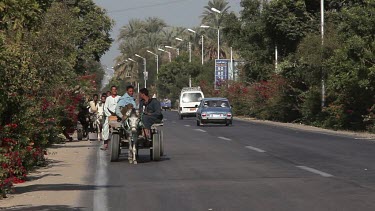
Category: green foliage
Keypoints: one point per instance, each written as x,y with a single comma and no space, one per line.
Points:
345,60
43,79
175,75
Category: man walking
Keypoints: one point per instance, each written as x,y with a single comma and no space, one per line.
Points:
109,110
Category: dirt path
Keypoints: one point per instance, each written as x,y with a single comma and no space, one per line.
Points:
59,185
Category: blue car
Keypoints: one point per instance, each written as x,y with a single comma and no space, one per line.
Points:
166,104
214,110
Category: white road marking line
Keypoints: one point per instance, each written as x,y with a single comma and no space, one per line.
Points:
173,121
187,125
315,171
255,149
200,130
226,139
100,195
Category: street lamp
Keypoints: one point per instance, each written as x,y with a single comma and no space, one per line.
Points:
218,38
157,63
145,69
202,37
177,49
168,52
181,40
322,37
215,10
132,60
218,33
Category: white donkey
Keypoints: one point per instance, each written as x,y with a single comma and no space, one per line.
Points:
132,128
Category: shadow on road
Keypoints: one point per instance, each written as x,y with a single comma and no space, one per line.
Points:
44,208
143,158
33,178
59,187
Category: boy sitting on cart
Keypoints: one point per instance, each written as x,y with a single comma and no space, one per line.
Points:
125,103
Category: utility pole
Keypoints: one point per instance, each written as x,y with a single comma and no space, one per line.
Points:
321,65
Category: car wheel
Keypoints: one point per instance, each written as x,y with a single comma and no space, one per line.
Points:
198,123
181,117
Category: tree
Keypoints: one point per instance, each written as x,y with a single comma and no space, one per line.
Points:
215,21
43,45
212,18
94,38
137,37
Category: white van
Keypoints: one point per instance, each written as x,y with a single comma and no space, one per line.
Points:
190,98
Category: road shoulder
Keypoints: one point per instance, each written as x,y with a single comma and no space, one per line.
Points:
59,185
298,126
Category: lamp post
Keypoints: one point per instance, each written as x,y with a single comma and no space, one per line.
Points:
322,37
132,60
181,40
202,39
218,33
168,52
157,63
218,39
145,74
171,47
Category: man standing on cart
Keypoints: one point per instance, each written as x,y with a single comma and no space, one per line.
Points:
109,110
151,111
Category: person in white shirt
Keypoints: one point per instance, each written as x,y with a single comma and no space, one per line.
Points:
109,109
94,104
100,115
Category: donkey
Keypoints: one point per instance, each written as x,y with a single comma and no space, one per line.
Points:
132,128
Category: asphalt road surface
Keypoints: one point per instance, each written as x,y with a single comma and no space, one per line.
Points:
246,166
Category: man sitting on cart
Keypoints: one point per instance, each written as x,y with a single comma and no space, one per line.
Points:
127,101
151,111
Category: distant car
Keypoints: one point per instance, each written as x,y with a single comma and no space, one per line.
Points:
166,104
214,110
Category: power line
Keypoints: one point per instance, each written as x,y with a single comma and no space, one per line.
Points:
147,6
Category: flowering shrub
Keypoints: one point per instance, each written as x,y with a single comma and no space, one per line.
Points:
36,124
271,99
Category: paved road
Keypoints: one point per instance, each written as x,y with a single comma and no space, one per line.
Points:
244,167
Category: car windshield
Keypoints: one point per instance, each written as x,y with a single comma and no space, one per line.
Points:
191,97
216,103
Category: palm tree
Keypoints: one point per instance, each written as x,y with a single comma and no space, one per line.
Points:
214,20
135,38
133,29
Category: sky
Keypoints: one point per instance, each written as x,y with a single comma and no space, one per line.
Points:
185,13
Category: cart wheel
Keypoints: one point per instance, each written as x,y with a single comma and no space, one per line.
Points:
114,147
161,137
79,135
156,147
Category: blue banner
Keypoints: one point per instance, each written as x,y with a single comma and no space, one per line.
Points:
221,72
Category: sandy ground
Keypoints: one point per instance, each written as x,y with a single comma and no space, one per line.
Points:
57,186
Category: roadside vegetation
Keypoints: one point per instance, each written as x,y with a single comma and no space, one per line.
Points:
49,63
292,92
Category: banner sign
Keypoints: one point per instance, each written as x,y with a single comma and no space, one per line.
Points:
221,71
